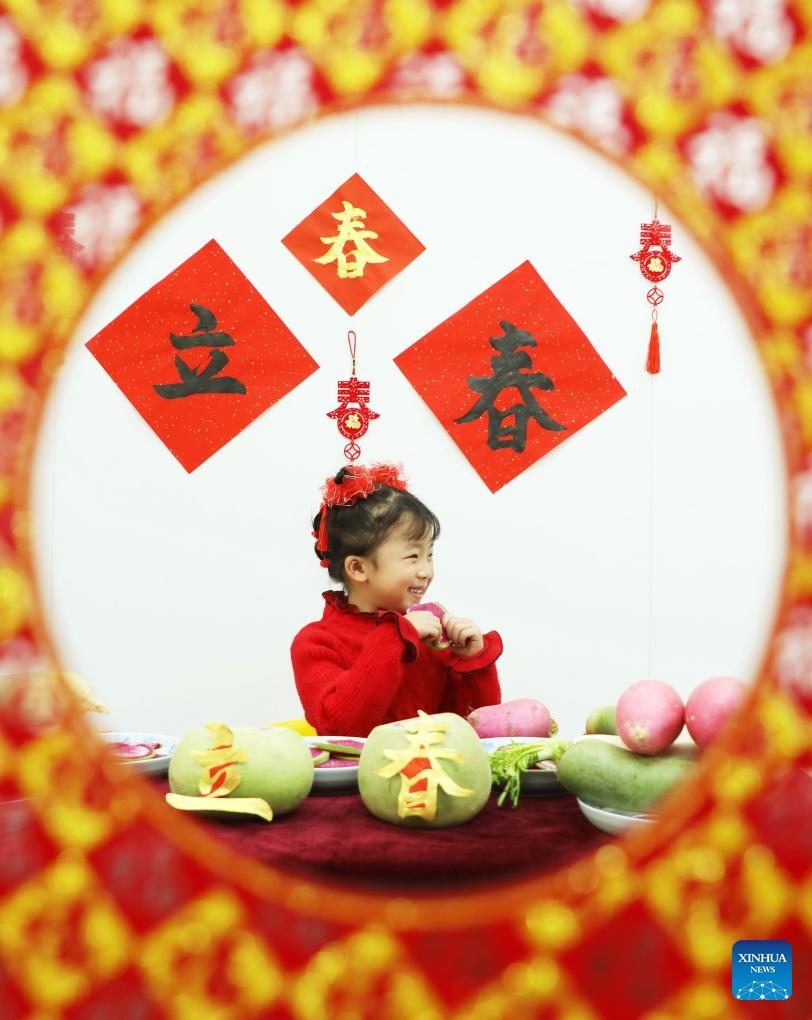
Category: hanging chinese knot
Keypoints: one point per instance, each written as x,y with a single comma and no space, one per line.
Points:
655,260
352,415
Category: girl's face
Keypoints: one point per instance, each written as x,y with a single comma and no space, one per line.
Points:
395,576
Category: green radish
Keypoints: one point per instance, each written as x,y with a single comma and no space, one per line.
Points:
606,775
602,720
274,765
427,772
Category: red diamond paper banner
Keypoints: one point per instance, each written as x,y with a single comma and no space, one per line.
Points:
201,355
353,244
510,376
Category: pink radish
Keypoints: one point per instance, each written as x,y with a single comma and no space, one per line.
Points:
711,705
649,716
134,752
523,717
439,610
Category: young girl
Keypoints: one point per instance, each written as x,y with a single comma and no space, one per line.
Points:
365,662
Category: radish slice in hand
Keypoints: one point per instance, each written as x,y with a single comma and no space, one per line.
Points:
439,610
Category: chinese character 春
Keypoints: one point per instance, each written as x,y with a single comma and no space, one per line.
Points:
421,771
351,230
203,377
508,427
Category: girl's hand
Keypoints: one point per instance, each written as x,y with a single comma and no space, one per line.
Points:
427,625
464,635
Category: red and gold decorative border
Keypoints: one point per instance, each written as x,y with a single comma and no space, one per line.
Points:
108,901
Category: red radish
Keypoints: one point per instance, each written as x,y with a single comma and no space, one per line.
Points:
327,759
523,717
711,705
439,611
134,752
649,716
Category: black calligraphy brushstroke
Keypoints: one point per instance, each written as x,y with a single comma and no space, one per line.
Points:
203,334
203,381
183,343
508,366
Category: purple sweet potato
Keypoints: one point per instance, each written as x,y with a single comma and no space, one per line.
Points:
524,717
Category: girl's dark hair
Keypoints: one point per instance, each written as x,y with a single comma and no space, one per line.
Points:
359,529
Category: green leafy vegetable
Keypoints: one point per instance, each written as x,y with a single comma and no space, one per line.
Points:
510,761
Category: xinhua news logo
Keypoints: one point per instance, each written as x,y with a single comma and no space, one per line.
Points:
762,969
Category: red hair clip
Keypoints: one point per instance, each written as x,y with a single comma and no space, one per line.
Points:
357,483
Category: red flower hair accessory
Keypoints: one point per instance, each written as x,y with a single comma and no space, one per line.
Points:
357,483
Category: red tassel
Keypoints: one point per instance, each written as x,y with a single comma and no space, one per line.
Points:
653,359
321,538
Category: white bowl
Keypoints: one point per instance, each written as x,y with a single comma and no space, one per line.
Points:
334,778
152,766
613,822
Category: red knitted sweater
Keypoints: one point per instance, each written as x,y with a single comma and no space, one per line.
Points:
355,670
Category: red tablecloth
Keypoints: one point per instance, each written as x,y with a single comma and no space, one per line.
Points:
336,837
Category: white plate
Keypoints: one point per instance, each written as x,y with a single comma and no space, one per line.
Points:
334,778
534,780
613,822
154,766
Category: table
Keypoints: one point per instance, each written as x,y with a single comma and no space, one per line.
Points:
334,836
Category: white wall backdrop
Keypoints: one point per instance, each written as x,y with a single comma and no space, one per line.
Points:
652,543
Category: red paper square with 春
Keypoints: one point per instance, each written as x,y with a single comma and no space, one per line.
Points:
510,376
353,244
200,355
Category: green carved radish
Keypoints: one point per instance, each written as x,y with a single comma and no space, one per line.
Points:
273,764
427,772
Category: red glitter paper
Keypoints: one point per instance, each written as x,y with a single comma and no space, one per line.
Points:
352,244
539,339
201,355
